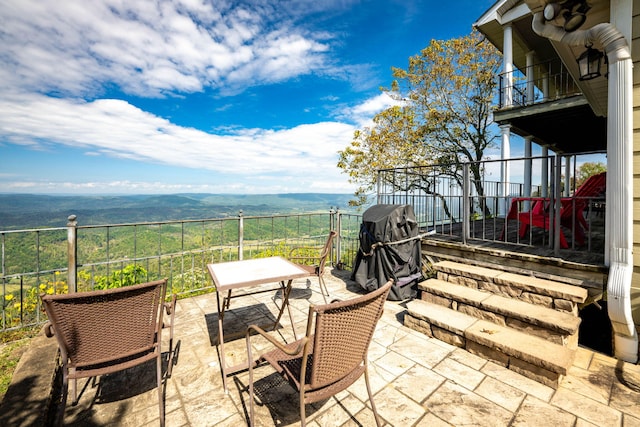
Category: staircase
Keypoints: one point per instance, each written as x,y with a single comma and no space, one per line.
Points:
527,324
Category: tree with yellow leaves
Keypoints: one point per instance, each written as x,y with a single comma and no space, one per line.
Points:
443,118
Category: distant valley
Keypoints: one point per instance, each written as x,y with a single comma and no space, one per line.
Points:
19,211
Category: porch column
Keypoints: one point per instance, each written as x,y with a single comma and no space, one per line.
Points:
567,176
527,171
505,154
544,173
530,78
507,65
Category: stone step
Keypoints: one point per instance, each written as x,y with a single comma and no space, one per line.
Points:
548,293
528,355
556,326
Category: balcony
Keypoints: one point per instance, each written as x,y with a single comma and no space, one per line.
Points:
549,105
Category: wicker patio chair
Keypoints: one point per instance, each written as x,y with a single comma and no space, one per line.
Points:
333,353
106,331
314,264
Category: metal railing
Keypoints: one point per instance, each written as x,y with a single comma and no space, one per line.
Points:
470,202
80,258
547,81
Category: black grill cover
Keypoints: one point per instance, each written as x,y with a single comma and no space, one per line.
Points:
379,259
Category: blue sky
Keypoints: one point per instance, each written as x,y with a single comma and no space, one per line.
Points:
212,96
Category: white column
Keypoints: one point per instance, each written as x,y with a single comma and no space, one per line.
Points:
505,154
567,176
507,65
530,78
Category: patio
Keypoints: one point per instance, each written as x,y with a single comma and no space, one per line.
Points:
417,380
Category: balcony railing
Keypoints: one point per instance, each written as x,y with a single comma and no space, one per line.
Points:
469,202
79,258
545,82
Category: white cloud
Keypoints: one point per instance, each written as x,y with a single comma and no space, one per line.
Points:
147,48
306,155
60,57
115,128
362,114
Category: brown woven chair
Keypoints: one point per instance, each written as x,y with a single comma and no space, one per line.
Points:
314,264
333,353
101,332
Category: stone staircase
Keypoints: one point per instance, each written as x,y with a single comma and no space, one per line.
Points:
525,323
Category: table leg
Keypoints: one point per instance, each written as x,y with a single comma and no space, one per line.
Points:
286,291
223,363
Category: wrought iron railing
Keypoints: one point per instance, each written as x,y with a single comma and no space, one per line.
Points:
470,202
547,81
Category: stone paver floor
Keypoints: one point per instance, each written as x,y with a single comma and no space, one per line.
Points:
417,380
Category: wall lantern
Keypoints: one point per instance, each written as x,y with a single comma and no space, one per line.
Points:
589,63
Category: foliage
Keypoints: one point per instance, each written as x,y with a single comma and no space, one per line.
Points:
119,255
588,169
129,275
443,115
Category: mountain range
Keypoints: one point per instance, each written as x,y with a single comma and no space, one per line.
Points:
19,211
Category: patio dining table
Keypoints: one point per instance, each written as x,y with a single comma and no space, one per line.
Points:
245,274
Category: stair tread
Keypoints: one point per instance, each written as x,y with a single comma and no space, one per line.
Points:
534,314
443,317
447,289
534,350
531,349
529,283
551,288
538,315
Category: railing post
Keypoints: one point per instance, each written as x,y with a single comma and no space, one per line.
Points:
379,187
72,254
466,203
338,228
240,235
554,217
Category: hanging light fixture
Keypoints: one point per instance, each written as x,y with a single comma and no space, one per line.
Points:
589,63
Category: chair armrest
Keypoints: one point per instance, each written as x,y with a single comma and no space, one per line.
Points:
282,347
170,306
170,309
48,330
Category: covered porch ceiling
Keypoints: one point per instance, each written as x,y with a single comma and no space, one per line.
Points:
566,126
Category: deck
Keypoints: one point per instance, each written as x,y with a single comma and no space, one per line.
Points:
417,381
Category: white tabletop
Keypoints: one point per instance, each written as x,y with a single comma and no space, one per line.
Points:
237,274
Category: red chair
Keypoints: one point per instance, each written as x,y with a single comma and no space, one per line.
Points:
572,210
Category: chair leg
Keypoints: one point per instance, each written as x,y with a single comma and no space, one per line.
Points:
171,353
74,391
323,289
524,227
59,420
160,390
303,410
250,358
373,405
